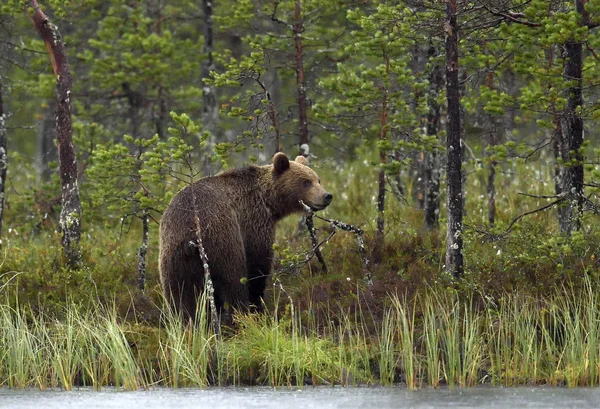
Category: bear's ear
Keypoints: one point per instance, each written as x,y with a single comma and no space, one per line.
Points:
303,160
281,163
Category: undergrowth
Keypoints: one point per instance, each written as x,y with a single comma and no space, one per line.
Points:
525,313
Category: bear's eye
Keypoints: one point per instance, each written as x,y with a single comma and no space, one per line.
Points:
306,183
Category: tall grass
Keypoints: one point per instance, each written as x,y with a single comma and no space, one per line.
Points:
437,338
185,350
405,335
516,350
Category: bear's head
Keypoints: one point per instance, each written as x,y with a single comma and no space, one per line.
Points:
296,181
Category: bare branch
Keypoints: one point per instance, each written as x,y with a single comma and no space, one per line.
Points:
310,224
513,17
359,238
540,196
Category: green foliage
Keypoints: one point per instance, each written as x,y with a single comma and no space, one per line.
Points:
141,176
374,97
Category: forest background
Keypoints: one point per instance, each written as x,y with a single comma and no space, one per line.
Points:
451,133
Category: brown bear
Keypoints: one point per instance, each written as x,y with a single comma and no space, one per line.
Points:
238,211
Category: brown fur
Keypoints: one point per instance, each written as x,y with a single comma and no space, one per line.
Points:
238,210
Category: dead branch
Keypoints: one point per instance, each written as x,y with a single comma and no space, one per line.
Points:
70,215
539,196
513,17
272,114
308,256
359,238
494,237
540,209
208,284
310,224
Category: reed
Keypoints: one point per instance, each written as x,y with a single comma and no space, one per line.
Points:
438,338
65,347
405,330
515,349
571,335
19,359
452,339
95,367
354,348
187,349
388,355
472,346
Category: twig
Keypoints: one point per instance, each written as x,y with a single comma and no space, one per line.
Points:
310,224
591,206
307,257
208,284
591,50
272,112
359,238
519,217
514,17
539,196
464,143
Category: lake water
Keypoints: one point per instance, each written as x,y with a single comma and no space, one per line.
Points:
321,397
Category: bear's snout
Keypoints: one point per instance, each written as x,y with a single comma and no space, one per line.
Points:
325,201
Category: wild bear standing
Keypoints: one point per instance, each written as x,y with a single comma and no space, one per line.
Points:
237,210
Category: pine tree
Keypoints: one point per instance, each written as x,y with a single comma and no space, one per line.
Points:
454,202
70,215
371,94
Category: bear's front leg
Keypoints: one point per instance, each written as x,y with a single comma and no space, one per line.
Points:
259,268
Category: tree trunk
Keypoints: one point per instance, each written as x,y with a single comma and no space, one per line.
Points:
379,235
46,148
301,86
160,117
210,113
561,210
463,143
159,108
136,103
70,215
3,157
493,139
491,182
570,175
418,166
432,166
454,239
142,251
555,137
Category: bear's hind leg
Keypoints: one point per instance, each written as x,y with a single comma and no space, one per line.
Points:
227,263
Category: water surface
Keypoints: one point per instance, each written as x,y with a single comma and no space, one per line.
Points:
320,397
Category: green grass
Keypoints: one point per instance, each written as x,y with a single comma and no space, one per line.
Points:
441,337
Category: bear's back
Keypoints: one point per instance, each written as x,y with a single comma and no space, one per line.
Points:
236,193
